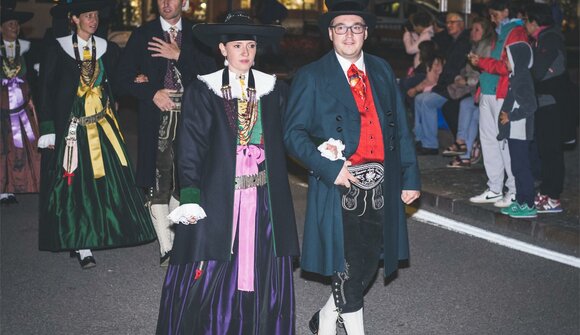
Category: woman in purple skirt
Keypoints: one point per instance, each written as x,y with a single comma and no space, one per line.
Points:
231,266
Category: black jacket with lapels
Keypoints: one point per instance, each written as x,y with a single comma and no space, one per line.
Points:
136,60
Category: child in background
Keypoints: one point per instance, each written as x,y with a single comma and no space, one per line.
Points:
434,68
516,126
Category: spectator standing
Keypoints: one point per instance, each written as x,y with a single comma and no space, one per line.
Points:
516,126
494,85
159,61
482,39
426,104
20,159
551,82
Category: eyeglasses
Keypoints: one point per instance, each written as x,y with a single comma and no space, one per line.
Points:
453,22
341,29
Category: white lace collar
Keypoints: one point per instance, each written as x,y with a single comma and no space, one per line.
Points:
67,45
264,83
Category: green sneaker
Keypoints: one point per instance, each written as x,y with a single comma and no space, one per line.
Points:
513,207
518,211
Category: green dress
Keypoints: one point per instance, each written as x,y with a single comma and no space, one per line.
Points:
93,202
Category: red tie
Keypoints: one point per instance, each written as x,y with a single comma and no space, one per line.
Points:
356,81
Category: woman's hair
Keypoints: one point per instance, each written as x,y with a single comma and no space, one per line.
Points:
489,34
422,19
539,13
427,50
436,57
501,5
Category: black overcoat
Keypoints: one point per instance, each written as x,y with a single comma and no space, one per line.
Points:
136,60
207,163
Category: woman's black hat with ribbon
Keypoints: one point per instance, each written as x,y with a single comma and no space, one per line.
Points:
237,26
7,13
77,7
346,7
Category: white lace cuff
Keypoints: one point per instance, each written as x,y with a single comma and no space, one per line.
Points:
184,213
330,154
46,140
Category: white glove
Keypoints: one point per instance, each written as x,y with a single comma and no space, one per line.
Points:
184,213
46,140
331,154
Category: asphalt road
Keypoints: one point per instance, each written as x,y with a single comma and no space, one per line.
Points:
455,284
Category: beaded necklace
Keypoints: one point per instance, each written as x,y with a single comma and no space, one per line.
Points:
10,65
244,120
87,67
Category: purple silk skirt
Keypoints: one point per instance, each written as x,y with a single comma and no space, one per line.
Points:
212,304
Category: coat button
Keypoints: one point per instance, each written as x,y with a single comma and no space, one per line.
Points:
391,124
392,138
339,118
339,129
389,113
391,148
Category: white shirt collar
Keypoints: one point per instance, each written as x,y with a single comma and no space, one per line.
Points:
66,44
165,25
264,83
345,63
24,47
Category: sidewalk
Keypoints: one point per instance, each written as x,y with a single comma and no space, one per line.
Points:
447,191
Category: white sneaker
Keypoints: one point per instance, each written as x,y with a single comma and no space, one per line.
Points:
507,200
487,197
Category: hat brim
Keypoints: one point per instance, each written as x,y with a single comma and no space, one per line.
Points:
62,9
21,17
325,19
211,34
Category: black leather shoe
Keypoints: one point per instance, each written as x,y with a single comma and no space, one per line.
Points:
87,262
314,323
10,200
164,260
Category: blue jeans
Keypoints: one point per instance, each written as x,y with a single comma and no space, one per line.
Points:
426,105
468,124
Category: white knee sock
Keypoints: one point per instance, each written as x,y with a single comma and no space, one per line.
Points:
354,322
327,318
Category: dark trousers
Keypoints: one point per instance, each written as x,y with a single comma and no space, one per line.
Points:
548,132
363,238
165,167
522,171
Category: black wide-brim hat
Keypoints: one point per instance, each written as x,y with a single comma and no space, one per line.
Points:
76,7
346,7
9,14
237,26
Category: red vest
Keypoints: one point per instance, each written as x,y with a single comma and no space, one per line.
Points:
370,146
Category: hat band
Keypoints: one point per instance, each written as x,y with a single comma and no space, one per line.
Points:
237,37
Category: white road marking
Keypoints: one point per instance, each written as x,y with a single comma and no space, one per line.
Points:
462,228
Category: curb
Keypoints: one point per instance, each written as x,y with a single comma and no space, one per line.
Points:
552,235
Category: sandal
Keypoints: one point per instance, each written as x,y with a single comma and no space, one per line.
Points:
459,163
475,152
455,149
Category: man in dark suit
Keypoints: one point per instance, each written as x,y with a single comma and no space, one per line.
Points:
160,59
361,175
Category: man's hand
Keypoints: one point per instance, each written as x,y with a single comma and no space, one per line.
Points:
344,177
162,99
408,196
164,49
141,78
504,117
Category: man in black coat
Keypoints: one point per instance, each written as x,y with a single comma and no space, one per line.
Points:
160,59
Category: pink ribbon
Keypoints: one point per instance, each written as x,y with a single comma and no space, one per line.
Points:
245,207
16,101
